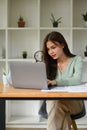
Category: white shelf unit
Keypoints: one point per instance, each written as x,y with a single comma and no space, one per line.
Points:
14,40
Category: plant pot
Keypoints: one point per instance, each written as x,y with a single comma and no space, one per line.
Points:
55,24
24,56
21,24
85,53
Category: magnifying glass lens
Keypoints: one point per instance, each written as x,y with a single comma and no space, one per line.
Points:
38,56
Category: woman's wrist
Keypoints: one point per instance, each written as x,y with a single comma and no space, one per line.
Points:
54,82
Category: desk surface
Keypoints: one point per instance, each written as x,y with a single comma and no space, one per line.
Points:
10,92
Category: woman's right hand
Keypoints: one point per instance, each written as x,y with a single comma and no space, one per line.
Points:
52,82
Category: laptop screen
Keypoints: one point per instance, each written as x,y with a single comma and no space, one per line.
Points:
27,74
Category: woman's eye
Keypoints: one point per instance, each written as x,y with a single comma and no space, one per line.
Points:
53,47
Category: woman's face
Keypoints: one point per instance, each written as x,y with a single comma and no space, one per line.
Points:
55,50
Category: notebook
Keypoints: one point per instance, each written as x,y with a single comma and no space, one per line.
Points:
27,74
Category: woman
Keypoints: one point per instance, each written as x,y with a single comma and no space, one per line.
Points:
63,68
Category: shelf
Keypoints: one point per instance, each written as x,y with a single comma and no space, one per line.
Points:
2,28
79,8
27,122
85,59
28,9
2,44
79,28
13,40
63,5
56,28
28,59
79,42
21,59
20,40
3,14
2,60
82,123
37,122
22,28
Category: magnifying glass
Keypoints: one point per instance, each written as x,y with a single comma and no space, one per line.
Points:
38,56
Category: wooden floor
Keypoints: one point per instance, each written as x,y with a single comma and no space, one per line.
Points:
33,129
25,129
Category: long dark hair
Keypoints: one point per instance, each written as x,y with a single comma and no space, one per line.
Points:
51,64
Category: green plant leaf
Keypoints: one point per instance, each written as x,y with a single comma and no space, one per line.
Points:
53,20
58,20
84,16
53,17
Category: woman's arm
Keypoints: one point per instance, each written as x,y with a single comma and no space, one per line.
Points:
76,74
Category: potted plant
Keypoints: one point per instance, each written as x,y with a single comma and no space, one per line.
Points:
24,54
85,18
85,53
21,22
54,21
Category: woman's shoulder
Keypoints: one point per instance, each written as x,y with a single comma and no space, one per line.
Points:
77,58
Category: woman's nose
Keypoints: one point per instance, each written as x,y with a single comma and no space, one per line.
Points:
50,51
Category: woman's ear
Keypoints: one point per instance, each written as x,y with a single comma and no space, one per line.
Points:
62,45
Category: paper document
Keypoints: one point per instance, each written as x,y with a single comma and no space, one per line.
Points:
56,89
75,88
80,88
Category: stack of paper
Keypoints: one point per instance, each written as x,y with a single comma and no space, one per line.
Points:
75,88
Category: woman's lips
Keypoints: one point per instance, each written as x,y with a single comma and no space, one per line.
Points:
54,55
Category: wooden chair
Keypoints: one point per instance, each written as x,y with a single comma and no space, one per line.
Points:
77,116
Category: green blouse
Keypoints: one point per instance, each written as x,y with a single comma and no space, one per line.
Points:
72,75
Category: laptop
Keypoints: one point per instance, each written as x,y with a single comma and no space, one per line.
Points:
27,74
